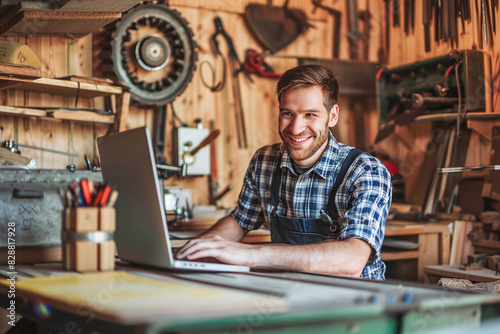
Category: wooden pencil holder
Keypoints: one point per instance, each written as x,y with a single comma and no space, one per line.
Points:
87,239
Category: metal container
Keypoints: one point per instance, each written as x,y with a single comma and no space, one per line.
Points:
34,199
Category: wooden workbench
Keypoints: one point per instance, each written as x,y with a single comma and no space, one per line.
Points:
141,300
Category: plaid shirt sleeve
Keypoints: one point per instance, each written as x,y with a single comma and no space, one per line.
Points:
250,210
370,192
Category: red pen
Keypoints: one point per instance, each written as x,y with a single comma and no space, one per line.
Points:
105,195
98,197
84,185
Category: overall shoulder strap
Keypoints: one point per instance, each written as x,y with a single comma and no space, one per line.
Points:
275,182
332,208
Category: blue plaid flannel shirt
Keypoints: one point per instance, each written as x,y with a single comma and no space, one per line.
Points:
363,199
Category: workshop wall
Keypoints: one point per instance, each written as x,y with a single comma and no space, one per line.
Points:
408,144
62,56
258,98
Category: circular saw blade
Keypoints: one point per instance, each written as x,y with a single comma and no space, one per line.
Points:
153,53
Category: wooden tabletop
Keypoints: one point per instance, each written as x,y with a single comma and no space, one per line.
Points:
454,271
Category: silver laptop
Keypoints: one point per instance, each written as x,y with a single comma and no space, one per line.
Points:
141,236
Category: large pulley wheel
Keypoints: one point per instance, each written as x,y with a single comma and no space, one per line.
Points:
154,53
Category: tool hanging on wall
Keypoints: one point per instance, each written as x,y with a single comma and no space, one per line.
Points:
189,155
337,16
396,13
426,20
12,146
254,63
216,86
165,171
275,27
383,51
365,16
191,147
452,85
444,14
467,169
235,66
153,52
488,22
409,15
354,34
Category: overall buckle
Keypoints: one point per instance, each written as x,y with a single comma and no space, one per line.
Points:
335,225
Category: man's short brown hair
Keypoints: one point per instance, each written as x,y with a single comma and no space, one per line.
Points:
307,76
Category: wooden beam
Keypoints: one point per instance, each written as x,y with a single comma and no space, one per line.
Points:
78,116
51,23
98,5
122,109
403,255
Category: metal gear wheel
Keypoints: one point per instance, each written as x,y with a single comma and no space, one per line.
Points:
154,53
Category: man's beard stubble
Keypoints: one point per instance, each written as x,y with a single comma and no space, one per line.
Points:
299,153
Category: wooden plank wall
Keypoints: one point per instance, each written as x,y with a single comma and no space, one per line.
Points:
62,56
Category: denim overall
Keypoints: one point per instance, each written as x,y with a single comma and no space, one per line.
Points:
300,231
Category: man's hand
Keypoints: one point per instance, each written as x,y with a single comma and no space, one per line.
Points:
217,247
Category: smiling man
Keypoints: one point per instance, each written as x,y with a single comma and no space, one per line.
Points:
326,203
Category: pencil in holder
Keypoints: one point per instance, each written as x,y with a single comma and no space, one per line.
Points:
87,239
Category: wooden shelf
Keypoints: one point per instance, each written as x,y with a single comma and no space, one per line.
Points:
486,246
454,271
73,86
80,116
469,116
479,115
58,86
403,255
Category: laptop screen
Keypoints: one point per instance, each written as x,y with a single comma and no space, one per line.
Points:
128,163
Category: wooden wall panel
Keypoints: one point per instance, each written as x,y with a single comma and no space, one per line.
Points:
29,132
6,128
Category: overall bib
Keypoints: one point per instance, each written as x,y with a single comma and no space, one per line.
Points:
300,231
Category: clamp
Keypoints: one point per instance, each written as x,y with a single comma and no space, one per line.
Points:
254,63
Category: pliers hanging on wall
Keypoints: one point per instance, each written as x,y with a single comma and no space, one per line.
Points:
236,66
219,30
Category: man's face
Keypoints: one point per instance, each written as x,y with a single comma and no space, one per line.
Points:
304,124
